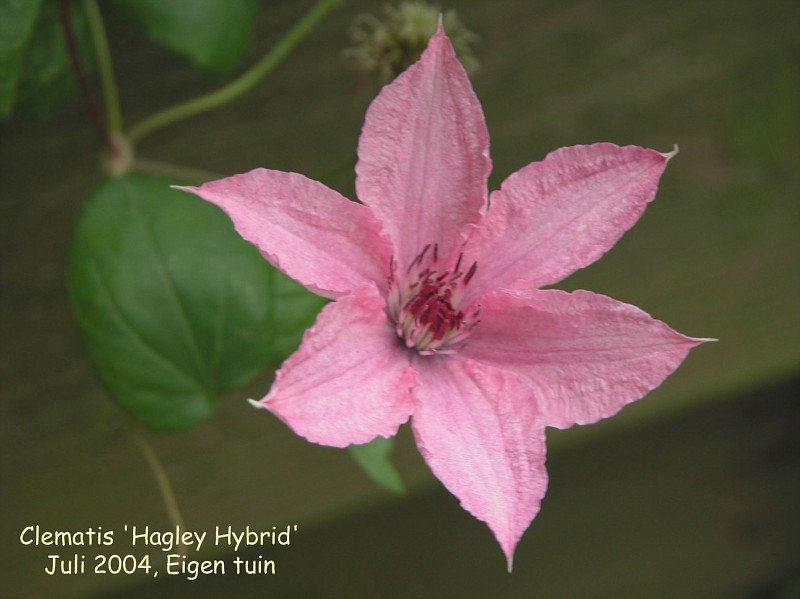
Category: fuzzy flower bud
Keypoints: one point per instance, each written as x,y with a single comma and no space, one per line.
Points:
388,46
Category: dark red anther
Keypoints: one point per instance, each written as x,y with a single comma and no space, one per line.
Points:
425,306
420,257
471,272
458,263
441,330
390,278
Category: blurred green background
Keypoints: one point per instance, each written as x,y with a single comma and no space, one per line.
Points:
693,492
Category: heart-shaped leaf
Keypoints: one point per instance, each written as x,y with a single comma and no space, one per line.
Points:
213,34
47,79
373,457
173,305
17,18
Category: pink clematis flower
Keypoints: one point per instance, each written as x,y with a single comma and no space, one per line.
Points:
438,313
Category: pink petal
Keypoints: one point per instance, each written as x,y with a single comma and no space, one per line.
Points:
316,236
553,217
350,380
424,154
585,354
482,435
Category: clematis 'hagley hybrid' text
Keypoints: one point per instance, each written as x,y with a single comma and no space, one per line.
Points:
438,313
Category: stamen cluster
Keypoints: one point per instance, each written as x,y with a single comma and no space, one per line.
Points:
424,304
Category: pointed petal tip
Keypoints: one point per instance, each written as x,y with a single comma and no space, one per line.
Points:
440,33
695,341
670,155
510,561
257,404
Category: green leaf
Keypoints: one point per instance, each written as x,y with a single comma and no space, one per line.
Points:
373,457
213,34
173,305
47,79
292,309
17,18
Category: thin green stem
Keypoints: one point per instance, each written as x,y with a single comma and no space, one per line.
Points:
179,174
104,66
240,85
162,480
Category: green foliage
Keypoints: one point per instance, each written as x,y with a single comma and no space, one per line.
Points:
35,71
291,310
373,457
46,78
173,305
213,34
17,18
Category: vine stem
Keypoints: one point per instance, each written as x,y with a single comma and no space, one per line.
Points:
172,171
242,84
105,68
162,480
80,73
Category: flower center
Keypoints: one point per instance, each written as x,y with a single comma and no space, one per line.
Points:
424,304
